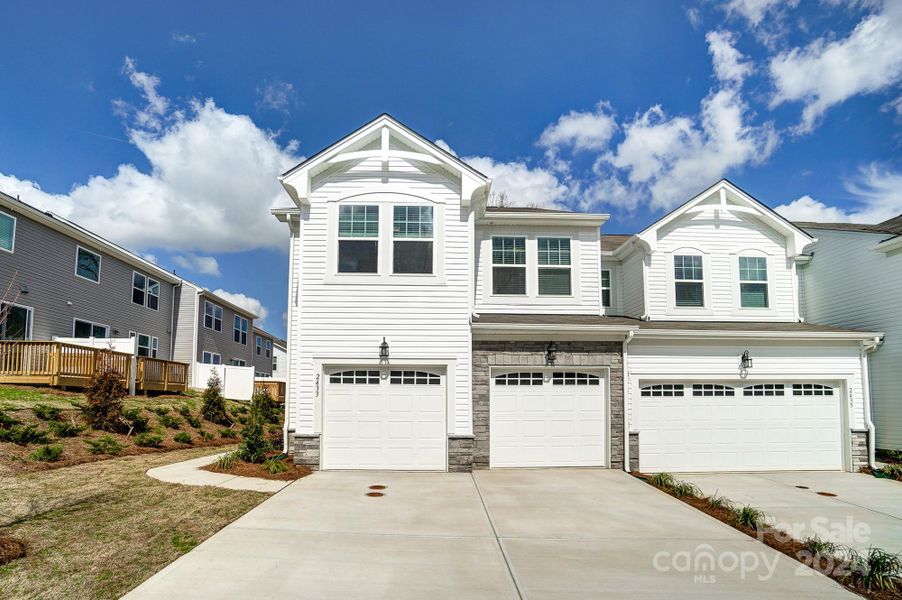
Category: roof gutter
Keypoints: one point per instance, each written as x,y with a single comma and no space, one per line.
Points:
796,335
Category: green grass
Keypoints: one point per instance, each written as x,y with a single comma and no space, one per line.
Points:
819,547
97,530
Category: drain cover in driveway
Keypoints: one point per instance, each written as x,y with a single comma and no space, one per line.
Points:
828,494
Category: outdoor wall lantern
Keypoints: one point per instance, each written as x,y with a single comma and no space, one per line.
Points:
383,350
550,353
746,362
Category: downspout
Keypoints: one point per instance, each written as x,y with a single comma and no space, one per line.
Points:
292,314
627,400
866,348
172,324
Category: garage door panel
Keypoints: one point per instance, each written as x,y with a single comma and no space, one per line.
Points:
710,432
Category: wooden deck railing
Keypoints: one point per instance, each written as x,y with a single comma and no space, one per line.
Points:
158,375
55,363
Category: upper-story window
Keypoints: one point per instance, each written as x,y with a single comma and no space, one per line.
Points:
268,348
606,288
509,265
358,239
145,291
258,344
554,266
212,316
7,232
688,277
240,330
753,282
87,264
413,237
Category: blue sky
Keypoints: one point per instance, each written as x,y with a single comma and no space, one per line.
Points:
162,125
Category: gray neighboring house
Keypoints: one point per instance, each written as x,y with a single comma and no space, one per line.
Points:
264,352
211,330
63,280
854,279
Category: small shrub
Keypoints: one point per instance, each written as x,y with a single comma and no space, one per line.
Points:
239,410
254,444
183,437
136,420
818,547
170,421
62,429
684,489
105,394
720,502
228,433
263,405
46,413
213,408
47,453
227,461
749,516
877,570
184,411
205,435
273,466
892,471
664,480
105,445
161,410
24,435
7,421
149,440
193,421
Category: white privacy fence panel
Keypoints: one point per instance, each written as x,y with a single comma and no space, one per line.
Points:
237,382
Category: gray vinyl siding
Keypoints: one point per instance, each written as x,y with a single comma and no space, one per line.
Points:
222,342
850,285
262,364
44,263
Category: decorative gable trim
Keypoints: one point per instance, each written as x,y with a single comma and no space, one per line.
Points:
358,145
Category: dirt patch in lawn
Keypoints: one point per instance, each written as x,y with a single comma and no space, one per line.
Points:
10,549
778,540
247,469
97,530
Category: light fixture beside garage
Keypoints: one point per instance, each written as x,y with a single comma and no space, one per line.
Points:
746,361
383,350
550,354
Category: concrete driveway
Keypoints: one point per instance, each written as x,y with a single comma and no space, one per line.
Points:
563,534
865,511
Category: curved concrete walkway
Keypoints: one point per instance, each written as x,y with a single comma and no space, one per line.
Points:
189,472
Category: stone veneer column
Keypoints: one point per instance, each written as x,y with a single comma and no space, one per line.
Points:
859,449
305,448
488,354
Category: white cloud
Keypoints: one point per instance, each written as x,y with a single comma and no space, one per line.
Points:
150,257
206,265
694,15
279,96
754,11
729,64
827,72
156,105
444,146
590,130
183,38
211,182
878,193
524,185
245,302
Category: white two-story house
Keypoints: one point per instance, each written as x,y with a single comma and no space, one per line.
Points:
427,331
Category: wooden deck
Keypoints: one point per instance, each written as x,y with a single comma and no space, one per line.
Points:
276,389
58,364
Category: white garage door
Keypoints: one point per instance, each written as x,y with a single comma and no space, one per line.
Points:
547,419
741,427
384,419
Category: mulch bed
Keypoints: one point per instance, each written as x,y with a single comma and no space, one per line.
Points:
10,549
246,469
779,540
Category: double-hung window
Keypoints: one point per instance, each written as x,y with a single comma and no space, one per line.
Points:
240,330
606,288
753,282
148,345
268,348
509,266
554,266
15,322
358,239
275,363
7,232
145,291
212,358
212,316
413,240
688,277
258,344
87,264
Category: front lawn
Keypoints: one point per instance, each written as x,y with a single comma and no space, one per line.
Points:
97,530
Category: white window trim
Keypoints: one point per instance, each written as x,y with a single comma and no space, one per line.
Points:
386,201
738,309
246,330
147,293
213,323
154,346
30,309
99,263
532,296
610,288
93,325
672,308
212,354
12,248
268,348
524,266
258,345
570,267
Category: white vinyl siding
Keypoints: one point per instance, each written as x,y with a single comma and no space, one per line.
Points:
633,285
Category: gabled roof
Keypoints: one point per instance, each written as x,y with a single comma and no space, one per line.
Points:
732,199
893,225
856,227
296,181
